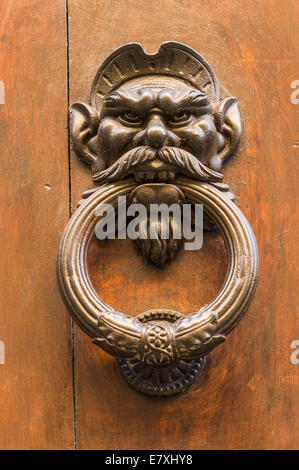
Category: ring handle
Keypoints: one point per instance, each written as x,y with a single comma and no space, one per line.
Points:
159,341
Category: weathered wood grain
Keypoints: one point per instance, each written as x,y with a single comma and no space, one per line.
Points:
248,397
36,379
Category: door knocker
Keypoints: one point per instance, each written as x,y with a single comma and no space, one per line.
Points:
155,131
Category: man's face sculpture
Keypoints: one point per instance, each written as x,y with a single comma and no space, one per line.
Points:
156,126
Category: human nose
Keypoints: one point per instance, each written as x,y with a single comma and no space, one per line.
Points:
156,132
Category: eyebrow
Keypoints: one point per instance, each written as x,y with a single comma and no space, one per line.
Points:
116,98
191,100
121,100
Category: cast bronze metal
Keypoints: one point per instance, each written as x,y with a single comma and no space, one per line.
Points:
157,121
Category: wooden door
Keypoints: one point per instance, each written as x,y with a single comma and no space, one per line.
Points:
57,389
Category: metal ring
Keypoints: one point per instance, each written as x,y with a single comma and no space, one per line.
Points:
191,336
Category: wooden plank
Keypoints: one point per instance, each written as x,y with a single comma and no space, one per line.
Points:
247,397
36,379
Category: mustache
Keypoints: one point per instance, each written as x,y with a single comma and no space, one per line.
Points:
178,159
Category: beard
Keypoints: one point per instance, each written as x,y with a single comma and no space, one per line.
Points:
152,244
157,250
177,160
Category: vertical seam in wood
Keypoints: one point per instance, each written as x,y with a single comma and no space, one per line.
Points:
70,214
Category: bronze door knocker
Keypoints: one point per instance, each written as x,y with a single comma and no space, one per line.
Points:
155,131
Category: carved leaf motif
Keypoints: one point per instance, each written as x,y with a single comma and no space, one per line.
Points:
119,335
197,335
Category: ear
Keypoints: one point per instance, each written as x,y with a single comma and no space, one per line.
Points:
228,124
84,123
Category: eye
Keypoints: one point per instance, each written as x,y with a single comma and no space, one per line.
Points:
179,117
130,118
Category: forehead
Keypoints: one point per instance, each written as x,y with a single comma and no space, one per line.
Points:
156,83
